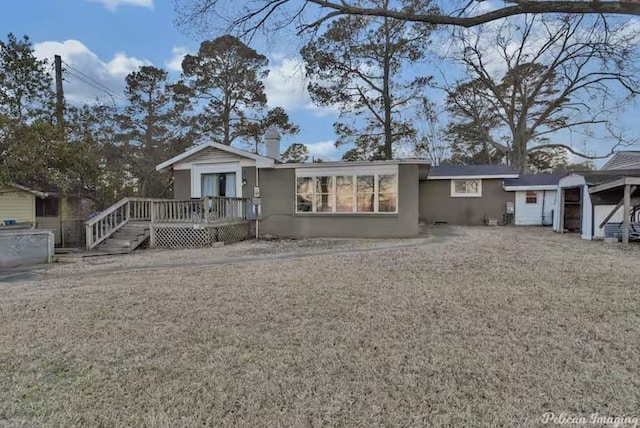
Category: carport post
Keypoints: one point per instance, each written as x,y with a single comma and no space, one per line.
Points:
627,209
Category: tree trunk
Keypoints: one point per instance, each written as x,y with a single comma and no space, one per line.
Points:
519,150
226,120
386,97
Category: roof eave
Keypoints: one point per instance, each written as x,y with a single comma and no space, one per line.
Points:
472,177
260,160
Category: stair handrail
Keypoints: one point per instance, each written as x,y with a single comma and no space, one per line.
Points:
99,229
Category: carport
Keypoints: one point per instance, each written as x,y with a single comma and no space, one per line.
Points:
623,191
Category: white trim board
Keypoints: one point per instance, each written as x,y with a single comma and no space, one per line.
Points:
261,161
524,188
198,170
471,177
347,170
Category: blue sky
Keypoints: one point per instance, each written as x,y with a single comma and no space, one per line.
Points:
107,39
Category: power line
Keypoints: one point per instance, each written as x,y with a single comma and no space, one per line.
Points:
93,83
112,96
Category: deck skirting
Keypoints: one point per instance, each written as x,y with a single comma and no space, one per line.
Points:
198,235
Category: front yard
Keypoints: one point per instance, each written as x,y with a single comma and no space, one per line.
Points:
489,327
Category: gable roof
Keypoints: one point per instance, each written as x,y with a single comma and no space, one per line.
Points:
260,160
444,172
534,181
26,189
623,160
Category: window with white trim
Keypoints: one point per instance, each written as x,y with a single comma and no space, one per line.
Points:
531,197
466,188
347,193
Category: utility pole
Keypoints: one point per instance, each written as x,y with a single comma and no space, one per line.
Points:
57,62
59,94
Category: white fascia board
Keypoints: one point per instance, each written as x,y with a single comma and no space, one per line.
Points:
525,188
347,170
261,161
471,177
354,163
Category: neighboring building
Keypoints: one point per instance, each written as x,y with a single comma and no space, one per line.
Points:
45,208
628,159
347,199
535,198
466,194
583,206
18,205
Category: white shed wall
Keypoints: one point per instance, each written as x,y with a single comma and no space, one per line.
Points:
575,180
532,214
601,212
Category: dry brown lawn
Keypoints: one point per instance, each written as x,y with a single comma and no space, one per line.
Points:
492,327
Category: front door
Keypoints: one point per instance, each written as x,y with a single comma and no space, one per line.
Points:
219,184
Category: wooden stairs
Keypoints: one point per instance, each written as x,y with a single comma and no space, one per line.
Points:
126,239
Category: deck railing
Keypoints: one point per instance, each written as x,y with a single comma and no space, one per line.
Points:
109,221
206,210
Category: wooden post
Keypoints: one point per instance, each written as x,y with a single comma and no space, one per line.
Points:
152,234
626,219
561,213
88,233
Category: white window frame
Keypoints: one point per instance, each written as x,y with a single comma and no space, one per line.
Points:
197,170
455,194
353,173
526,202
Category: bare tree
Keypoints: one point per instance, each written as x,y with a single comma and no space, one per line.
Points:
253,15
430,143
543,75
357,66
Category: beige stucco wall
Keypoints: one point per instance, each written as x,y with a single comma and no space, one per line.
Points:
279,218
248,175
182,184
17,205
437,205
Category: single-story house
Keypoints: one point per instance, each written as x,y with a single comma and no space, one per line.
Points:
586,202
330,199
535,198
466,194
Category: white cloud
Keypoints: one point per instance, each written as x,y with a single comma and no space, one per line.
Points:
87,76
325,150
177,55
286,86
112,5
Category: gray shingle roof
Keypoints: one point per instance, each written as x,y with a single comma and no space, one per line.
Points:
470,170
535,179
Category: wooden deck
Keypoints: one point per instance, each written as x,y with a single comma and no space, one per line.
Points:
168,223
